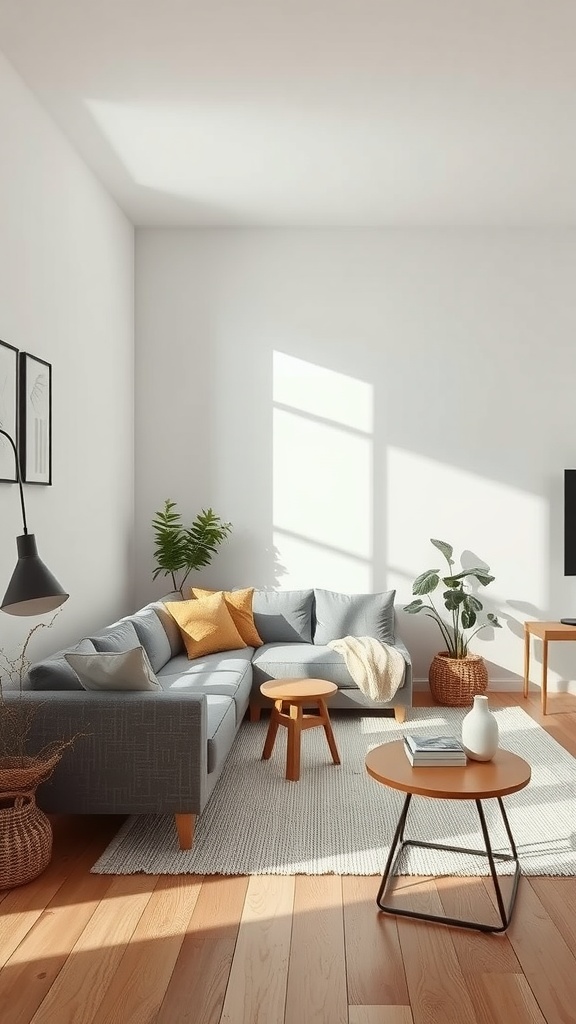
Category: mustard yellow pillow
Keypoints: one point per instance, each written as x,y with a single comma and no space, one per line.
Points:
239,604
206,625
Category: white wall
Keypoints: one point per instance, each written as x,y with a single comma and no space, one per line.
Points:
66,289
343,396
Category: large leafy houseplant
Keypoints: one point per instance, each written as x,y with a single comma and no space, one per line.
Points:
462,606
181,549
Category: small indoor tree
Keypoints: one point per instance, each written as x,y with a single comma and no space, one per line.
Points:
180,549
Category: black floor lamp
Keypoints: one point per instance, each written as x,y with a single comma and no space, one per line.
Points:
33,590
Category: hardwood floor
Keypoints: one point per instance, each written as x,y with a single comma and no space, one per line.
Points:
77,948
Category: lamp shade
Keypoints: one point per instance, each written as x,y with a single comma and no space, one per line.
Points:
33,590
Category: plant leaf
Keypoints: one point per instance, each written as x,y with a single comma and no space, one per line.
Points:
446,549
453,598
493,621
468,618
426,582
414,606
482,575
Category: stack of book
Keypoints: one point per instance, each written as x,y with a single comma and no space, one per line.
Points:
434,751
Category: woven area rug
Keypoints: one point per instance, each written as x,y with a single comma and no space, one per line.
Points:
337,820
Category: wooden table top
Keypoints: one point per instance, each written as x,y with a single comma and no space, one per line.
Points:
479,780
297,689
551,630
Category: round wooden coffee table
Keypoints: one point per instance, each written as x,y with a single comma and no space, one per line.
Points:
479,780
290,697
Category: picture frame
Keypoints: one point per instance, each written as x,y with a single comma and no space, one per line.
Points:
35,426
8,411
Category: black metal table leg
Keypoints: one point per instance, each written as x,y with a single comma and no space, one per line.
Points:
399,844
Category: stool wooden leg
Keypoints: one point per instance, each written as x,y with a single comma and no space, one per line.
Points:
328,730
272,730
255,710
293,752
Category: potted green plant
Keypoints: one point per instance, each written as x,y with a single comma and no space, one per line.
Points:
455,675
181,549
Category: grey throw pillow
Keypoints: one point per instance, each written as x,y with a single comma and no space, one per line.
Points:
120,637
283,616
55,673
340,615
107,670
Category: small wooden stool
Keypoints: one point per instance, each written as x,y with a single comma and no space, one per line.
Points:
290,697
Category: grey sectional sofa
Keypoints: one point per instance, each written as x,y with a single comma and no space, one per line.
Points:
163,751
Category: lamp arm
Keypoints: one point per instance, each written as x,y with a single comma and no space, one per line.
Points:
19,475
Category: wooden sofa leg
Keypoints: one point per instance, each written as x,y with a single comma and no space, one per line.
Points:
185,824
255,710
400,714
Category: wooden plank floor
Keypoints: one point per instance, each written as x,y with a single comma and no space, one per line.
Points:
77,948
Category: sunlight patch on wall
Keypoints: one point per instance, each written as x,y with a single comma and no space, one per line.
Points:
501,525
322,476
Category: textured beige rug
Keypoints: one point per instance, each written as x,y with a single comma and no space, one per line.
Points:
337,820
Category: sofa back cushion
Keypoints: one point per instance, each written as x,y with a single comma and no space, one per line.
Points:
54,673
121,636
340,615
153,637
283,616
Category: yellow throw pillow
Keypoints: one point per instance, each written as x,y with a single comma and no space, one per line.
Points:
206,625
239,604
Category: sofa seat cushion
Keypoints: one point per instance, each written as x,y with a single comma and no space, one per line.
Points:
295,661
221,729
215,674
224,661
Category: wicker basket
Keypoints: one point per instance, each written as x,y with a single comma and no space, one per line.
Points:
24,774
456,681
25,839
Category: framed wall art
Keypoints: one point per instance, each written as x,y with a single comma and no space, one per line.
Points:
35,427
8,410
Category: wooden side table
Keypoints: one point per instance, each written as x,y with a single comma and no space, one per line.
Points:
545,631
290,697
478,780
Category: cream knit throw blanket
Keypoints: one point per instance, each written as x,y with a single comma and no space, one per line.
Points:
376,668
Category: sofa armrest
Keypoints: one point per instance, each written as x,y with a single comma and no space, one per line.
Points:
136,752
407,684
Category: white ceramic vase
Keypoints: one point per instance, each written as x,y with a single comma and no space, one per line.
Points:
480,731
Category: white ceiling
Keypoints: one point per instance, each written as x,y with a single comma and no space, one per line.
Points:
312,112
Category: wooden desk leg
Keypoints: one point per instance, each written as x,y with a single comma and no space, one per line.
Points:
526,660
293,752
272,730
328,730
544,674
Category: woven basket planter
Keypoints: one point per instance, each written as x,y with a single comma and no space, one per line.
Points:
24,774
456,681
25,839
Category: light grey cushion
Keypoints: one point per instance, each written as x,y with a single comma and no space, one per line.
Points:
55,673
170,625
111,670
339,615
153,637
299,661
283,616
120,637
